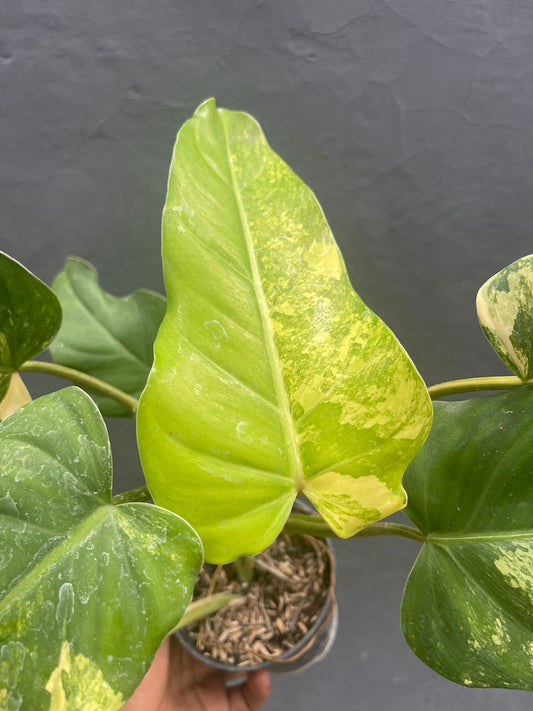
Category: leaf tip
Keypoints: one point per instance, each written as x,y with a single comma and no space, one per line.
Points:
209,106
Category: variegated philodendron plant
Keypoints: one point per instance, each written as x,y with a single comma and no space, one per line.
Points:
271,380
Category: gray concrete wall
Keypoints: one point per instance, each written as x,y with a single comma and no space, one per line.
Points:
412,121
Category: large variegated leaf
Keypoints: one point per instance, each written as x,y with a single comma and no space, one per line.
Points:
505,311
468,604
30,316
108,337
87,589
271,378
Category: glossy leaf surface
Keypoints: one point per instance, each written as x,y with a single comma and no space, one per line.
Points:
88,590
468,604
271,377
505,311
30,316
108,337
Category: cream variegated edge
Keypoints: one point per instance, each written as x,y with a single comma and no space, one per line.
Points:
505,312
17,395
349,504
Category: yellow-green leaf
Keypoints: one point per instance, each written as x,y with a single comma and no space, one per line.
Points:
271,377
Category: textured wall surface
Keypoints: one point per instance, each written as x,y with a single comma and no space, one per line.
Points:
412,121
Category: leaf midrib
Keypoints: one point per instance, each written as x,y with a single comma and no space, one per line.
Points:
273,358
43,568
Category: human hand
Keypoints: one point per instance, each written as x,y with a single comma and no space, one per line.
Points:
177,681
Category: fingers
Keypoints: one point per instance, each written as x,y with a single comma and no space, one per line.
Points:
252,694
151,690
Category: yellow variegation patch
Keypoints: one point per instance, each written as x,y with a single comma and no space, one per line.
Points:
516,565
349,504
505,311
77,684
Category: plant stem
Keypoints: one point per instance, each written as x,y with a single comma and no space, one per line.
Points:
316,526
87,381
141,494
389,528
468,385
303,524
245,569
206,606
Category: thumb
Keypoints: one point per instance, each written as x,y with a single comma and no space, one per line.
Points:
252,694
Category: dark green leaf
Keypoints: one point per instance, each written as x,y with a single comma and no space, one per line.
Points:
108,337
468,604
88,590
5,381
30,316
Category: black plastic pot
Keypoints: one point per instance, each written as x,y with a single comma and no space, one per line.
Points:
308,651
